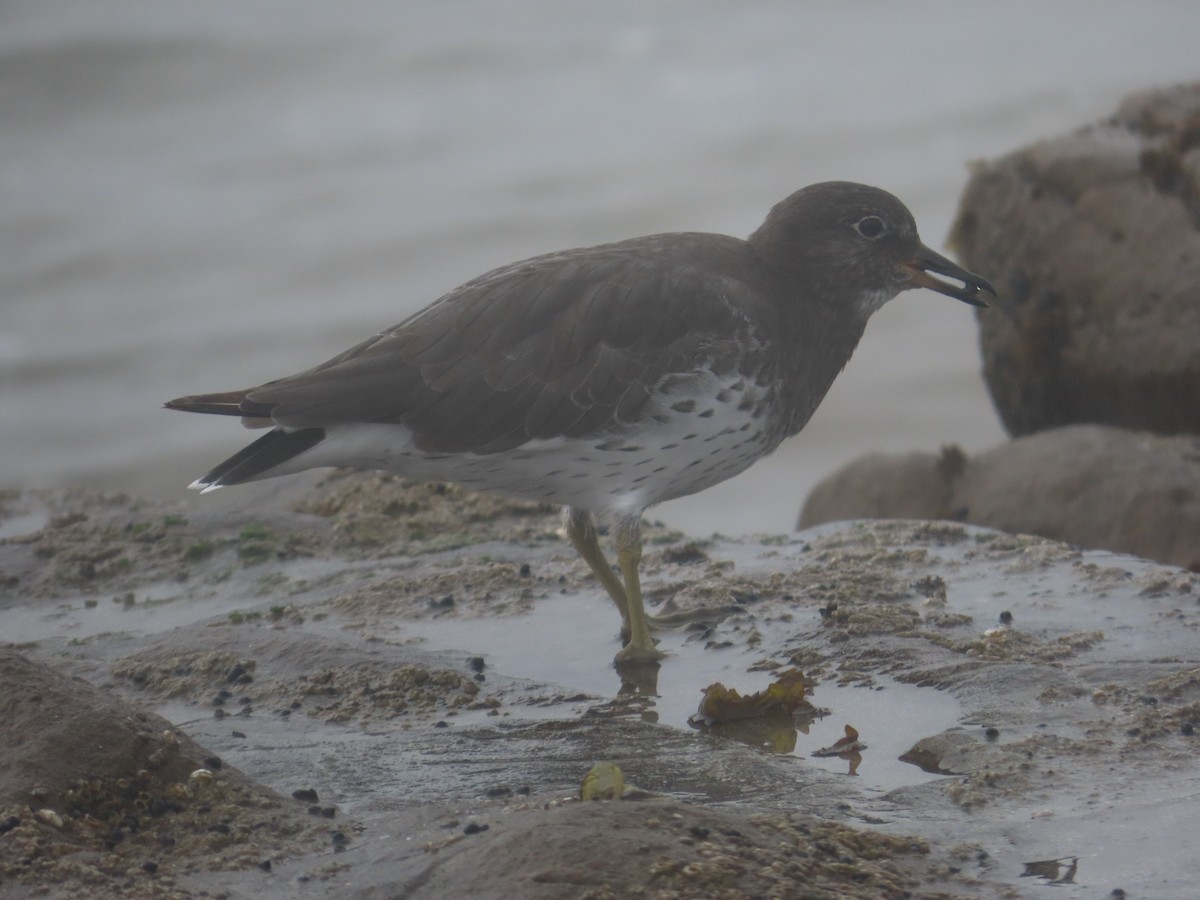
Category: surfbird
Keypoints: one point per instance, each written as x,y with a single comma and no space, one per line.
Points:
606,379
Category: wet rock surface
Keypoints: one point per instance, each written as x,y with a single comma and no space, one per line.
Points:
1093,240
373,738
1095,486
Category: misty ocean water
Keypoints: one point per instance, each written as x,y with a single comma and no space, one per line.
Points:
203,197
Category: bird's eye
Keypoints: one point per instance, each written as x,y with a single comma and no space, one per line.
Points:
870,227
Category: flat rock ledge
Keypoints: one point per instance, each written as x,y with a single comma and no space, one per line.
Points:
355,686
1092,485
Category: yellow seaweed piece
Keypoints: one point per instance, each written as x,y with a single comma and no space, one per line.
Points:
784,696
604,781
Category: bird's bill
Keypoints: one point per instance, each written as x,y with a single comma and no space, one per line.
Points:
922,270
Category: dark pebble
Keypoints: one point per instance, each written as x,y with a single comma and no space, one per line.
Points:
328,812
523,790
234,674
474,828
218,713
150,867
9,824
525,570
219,828
441,723
699,832
218,700
339,837
265,865
502,791
477,663
158,806
213,762
991,733
245,679
1187,728
166,841
308,795
237,734
1006,618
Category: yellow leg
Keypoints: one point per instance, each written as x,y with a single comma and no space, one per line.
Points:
640,649
581,531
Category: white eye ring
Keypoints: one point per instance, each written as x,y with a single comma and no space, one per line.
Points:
871,227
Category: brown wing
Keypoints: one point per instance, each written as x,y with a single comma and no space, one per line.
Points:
560,345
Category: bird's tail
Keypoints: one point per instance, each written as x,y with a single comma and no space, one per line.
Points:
230,403
257,460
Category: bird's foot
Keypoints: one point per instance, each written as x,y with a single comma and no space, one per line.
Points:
636,655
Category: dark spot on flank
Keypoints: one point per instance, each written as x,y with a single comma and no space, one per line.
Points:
684,406
707,414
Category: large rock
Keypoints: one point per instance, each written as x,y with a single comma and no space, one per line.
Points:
1093,240
1089,485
